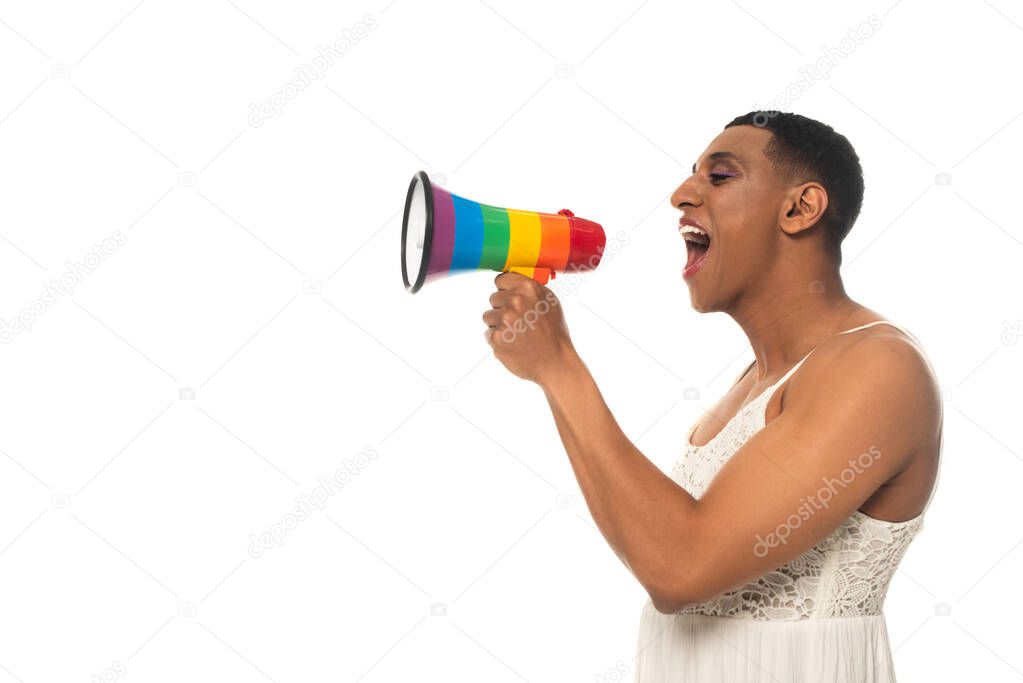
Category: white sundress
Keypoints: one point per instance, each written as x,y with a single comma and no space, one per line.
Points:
818,618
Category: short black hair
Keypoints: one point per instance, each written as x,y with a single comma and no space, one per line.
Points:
804,149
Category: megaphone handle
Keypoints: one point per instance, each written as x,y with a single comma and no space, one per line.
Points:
541,275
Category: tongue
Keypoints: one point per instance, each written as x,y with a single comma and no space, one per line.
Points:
694,251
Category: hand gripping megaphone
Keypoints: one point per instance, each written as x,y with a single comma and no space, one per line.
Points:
443,233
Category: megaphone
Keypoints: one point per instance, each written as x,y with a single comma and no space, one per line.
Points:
443,233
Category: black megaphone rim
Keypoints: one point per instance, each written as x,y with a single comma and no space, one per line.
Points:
415,286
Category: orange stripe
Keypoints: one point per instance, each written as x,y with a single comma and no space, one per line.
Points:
556,243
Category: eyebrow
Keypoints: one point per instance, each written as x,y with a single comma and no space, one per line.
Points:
720,155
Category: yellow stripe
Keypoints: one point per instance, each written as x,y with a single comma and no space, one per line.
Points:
524,241
523,270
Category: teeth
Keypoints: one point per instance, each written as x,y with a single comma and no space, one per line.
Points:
694,234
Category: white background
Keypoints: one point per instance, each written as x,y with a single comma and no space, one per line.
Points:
260,269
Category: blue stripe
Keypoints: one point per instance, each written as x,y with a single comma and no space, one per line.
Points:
468,234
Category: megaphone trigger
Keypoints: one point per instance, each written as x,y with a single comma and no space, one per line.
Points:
541,275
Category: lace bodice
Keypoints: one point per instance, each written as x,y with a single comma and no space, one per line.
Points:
846,574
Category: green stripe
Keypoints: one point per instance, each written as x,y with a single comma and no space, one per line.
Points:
496,237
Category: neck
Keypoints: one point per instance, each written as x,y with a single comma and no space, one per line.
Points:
784,322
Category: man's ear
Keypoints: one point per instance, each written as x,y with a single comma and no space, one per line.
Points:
804,206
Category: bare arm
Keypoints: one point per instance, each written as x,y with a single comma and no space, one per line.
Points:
854,415
850,423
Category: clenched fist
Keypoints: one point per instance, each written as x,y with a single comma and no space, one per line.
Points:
526,328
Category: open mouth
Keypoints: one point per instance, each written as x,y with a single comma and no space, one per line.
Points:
697,246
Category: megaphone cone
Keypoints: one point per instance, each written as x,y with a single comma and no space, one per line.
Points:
443,233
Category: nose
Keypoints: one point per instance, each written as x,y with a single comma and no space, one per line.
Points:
686,194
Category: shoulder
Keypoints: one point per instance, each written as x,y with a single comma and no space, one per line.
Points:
877,355
878,375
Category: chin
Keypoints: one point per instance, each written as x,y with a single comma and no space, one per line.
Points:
698,305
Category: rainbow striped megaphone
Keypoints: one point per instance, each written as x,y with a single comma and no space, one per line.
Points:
443,233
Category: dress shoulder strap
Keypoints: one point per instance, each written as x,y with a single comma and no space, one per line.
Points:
795,367
885,322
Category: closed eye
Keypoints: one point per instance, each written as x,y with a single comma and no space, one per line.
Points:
718,177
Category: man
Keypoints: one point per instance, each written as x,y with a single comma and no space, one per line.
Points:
764,214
